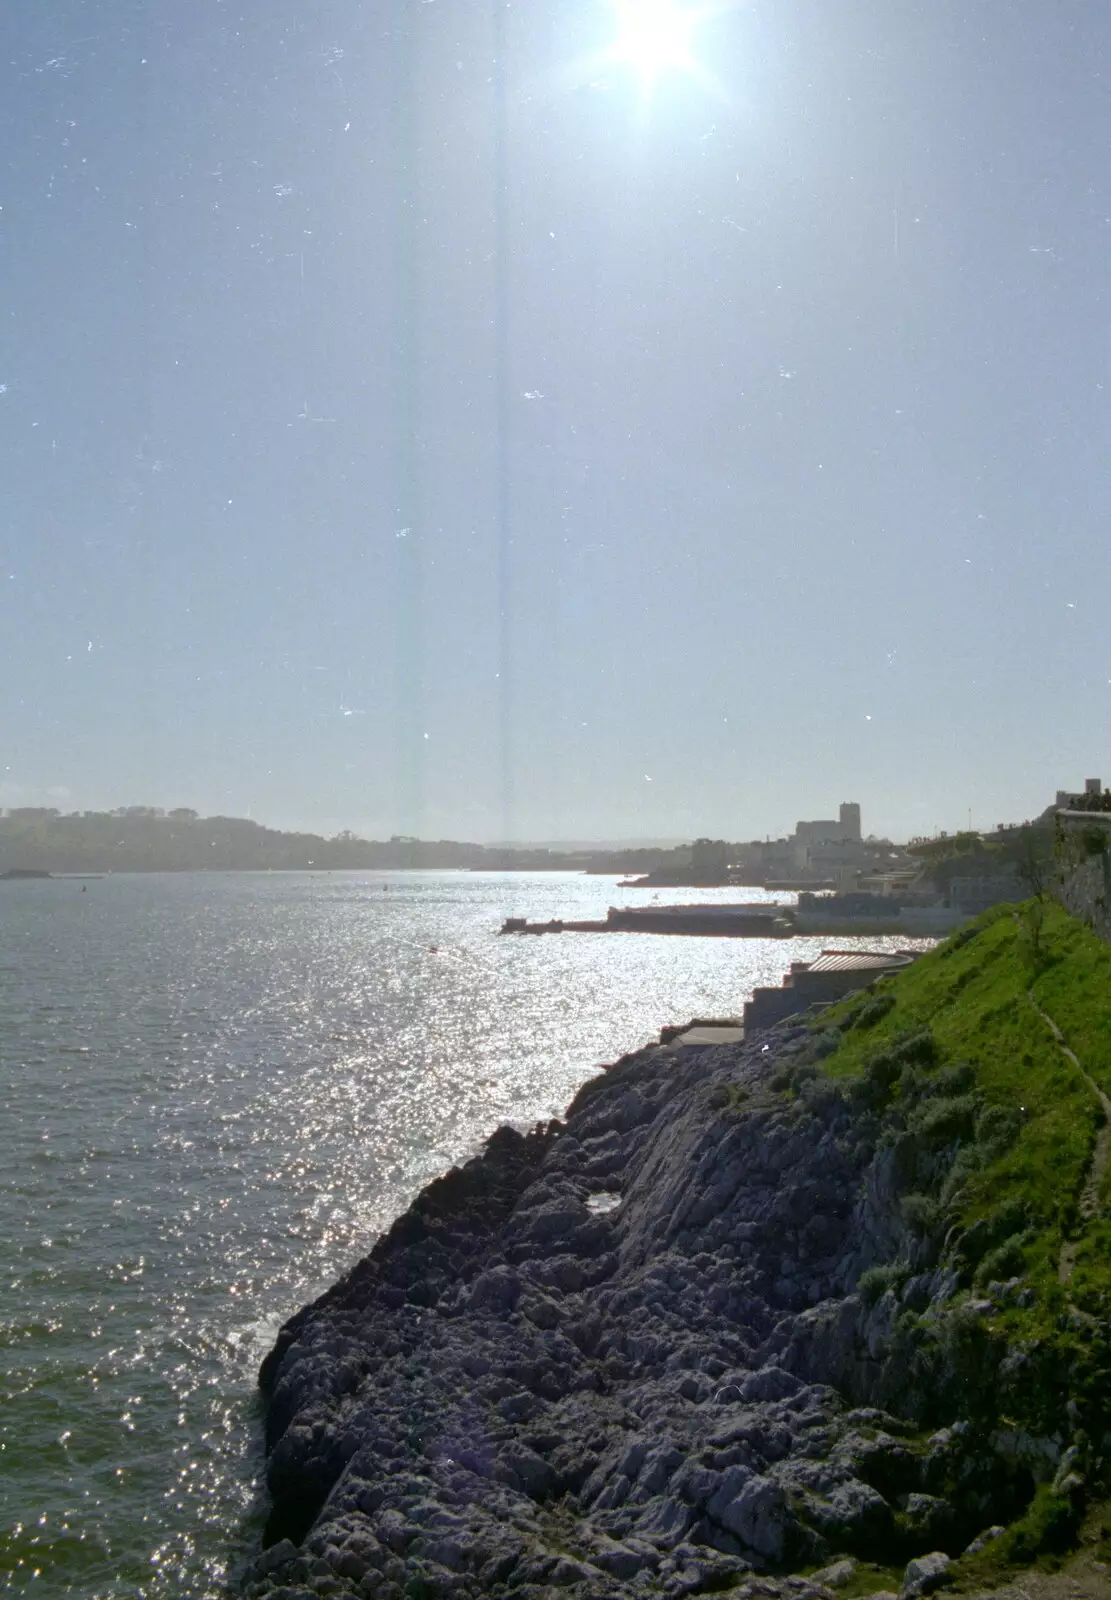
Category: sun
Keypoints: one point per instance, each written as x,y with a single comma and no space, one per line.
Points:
654,38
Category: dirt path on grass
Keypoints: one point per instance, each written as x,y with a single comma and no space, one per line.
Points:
1082,1579
1101,1155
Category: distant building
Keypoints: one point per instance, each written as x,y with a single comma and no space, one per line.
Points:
889,883
850,821
846,830
827,859
1065,798
830,850
817,833
827,853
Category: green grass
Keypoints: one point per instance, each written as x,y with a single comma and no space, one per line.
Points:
1040,1537
994,1131
868,1579
972,995
1075,988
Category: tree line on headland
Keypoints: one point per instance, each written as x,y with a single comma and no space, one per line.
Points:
148,839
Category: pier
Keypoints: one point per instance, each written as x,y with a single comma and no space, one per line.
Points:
760,921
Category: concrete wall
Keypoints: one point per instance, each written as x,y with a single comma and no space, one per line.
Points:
1084,886
916,922
769,1006
973,895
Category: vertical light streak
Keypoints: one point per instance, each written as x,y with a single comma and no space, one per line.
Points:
409,709
503,504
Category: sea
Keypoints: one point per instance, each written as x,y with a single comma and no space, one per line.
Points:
216,1090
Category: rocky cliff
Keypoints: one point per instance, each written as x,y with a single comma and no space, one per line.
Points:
727,1319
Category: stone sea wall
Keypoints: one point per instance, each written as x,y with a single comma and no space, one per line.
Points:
1083,860
626,1355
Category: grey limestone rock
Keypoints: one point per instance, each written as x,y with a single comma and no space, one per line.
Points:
517,1394
836,1575
929,1516
982,1540
926,1573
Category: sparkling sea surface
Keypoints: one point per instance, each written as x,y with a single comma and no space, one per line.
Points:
217,1089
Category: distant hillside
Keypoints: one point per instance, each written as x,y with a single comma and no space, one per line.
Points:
144,839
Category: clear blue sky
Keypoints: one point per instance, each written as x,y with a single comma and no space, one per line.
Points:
381,449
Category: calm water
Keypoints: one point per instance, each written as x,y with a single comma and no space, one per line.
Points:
216,1091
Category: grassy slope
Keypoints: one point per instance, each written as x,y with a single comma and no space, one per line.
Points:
979,995
973,993
1075,989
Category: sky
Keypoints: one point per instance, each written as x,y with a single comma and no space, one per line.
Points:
413,419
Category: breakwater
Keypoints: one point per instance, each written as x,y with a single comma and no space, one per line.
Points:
760,921
733,1315
763,920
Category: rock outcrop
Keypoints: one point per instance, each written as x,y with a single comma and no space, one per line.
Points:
626,1355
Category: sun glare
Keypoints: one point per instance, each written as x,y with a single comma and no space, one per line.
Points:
655,37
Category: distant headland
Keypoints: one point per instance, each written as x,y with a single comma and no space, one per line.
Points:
38,840
42,840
